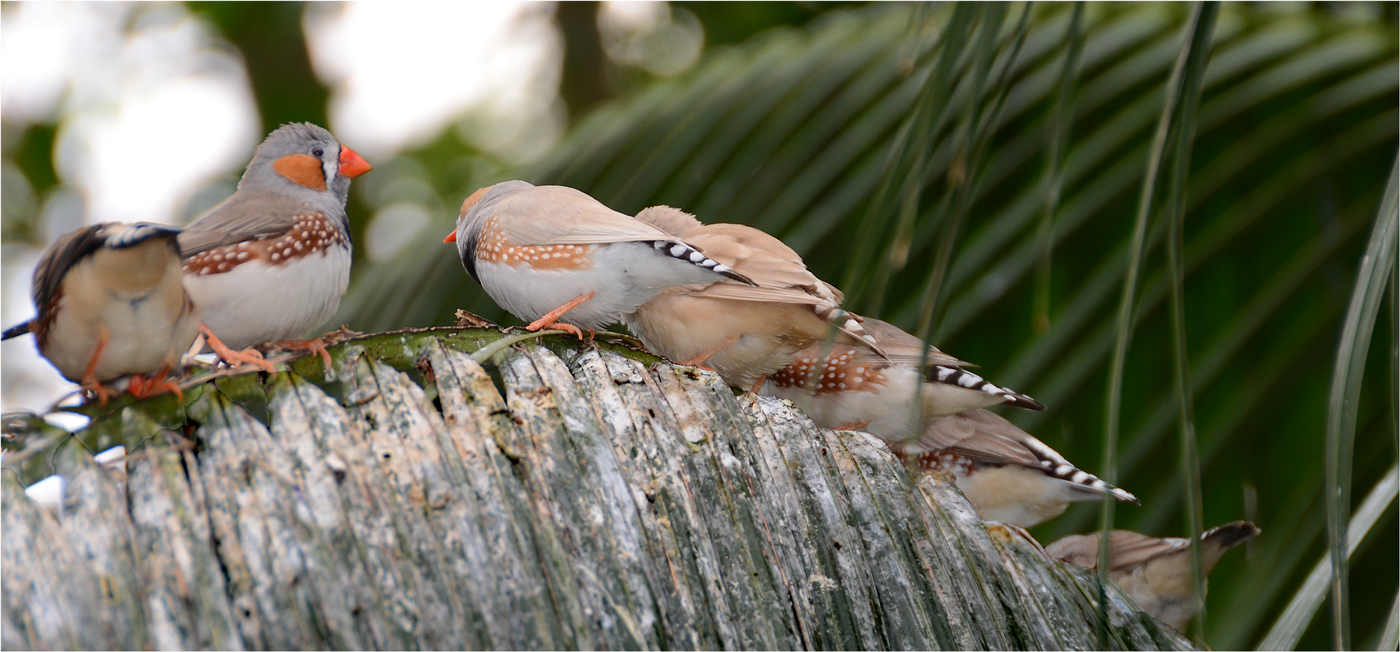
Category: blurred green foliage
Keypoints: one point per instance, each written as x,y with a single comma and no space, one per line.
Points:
730,22
788,122
273,45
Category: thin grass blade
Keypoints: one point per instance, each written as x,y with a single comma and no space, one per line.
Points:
1366,298
1198,30
1299,613
912,143
1389,638
1060,122
1176,203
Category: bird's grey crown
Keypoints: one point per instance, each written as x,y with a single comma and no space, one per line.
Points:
476,215
469,224
266,203
294,138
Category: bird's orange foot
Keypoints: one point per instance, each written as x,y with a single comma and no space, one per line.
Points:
548,321
142,387
235,358
541,324
316,345
90,382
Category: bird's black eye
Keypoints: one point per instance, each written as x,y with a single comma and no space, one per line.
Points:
317,152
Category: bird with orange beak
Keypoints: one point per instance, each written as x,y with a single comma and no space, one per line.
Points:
273,260
558,258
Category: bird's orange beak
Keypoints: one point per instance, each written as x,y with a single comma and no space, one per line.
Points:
451,237
352,164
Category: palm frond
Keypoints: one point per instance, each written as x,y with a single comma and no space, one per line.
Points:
793,132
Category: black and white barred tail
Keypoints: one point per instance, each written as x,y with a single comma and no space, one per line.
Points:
682,251
17,330
968,380
1230,535
1056,466
848,323
117,235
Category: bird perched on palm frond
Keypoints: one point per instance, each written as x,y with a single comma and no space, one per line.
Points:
1156,572
892,397
111,302
558,258
1008,475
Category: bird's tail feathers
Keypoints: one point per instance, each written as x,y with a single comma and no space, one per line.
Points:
17,330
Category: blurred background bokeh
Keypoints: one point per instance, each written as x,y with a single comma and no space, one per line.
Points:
784,116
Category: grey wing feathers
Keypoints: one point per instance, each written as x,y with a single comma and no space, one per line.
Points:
1126,549
238,219
559,215
739,292
1077,549
1129,549
982,436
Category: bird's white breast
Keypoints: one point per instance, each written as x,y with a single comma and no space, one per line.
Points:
258,302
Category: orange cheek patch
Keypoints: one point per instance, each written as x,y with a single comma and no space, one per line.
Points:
301,169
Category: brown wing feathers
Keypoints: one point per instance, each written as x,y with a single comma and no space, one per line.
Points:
240,220
60,257
67,251
778,273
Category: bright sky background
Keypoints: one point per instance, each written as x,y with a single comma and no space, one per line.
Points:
135,86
